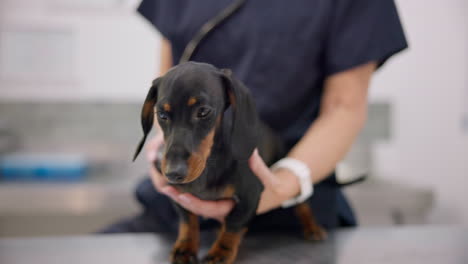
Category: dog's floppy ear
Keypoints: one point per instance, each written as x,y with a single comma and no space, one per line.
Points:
147,114
244,120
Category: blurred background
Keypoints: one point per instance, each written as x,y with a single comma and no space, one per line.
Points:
73,75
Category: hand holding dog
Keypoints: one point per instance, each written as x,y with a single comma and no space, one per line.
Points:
279,186
151,154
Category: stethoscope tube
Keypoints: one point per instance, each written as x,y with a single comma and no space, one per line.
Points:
208,27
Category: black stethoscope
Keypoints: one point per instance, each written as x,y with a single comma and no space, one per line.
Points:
208,27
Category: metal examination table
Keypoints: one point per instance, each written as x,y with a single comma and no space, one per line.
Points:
402,245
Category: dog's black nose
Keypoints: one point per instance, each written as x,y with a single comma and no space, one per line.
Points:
176,173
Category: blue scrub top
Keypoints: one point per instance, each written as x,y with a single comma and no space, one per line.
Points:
283,50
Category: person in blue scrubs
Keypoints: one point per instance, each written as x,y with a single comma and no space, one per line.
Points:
308,64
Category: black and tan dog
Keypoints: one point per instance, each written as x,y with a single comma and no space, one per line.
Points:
211,128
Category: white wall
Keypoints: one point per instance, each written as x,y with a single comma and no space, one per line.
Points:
116,53
112,51
428,87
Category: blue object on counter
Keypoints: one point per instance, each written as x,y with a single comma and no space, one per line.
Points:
43,167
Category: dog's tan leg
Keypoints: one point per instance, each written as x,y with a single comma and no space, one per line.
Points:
224,250
312,230
187,244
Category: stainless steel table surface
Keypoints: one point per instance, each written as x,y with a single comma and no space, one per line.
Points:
402,245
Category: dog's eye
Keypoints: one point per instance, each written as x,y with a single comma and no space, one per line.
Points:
163,115
203,112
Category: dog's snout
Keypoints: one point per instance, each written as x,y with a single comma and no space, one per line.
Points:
177,172
178,153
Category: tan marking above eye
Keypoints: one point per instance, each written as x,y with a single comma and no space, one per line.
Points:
191,101
167,107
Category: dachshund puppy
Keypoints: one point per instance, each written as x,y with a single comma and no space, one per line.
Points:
211,128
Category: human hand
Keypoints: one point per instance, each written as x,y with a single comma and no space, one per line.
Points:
152,149
279,186
209,209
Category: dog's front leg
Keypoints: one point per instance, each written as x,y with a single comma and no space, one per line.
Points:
224,250
187,244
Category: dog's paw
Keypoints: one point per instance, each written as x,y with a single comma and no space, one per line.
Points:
182,256
217,259
316,234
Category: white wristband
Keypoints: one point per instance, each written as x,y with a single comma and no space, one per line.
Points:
302,172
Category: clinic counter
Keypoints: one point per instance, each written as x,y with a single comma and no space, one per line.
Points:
402,245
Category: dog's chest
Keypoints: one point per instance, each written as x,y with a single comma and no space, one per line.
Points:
203,192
